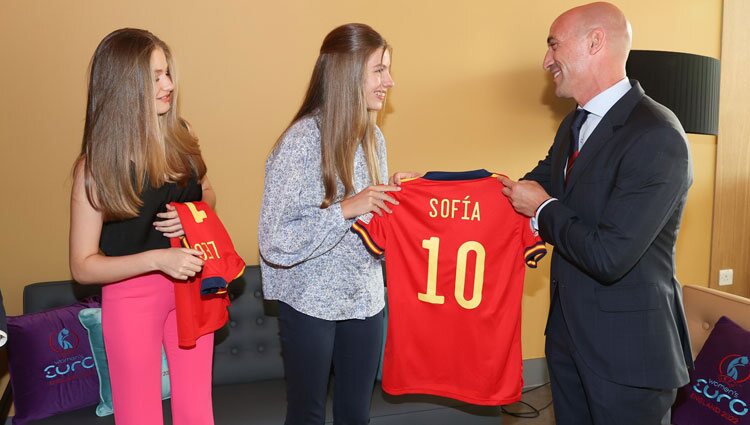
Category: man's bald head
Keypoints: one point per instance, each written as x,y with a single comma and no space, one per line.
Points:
588,48
610,19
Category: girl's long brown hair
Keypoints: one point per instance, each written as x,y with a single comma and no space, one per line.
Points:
126,144
336,94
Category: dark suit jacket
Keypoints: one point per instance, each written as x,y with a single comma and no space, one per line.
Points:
614,230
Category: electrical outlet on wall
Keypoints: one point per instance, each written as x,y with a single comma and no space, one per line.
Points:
725,277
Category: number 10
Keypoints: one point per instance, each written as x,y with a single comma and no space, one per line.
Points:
432,245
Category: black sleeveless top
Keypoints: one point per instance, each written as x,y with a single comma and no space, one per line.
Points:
138,234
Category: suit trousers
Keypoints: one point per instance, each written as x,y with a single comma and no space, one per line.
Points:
581,397
138,317
309,347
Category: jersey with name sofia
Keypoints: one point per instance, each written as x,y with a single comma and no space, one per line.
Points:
455,254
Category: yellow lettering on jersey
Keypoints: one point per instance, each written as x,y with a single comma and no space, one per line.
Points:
198,215
199,247
445,208
433,205
461,260
475,213
213,244
464,209
466,203
432,246
205,248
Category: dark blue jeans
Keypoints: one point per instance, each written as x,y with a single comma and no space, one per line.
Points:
311,348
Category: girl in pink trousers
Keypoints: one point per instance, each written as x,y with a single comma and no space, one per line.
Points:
138,155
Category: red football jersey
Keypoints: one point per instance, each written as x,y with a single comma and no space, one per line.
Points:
201,302
455,253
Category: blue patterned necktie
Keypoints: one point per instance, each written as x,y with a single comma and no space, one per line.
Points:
575,132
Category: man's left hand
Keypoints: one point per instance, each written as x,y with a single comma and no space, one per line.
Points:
524,195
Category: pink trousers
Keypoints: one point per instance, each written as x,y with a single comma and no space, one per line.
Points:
138,316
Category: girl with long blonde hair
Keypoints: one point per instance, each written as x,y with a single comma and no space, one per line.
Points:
326,170
137,155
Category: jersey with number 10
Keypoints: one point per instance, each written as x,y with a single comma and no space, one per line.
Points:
455,261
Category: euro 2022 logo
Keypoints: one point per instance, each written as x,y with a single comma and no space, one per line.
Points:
63,341
734,369
71,362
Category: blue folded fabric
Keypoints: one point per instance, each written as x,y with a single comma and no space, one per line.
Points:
91,319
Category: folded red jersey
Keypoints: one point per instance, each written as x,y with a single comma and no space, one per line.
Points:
202,301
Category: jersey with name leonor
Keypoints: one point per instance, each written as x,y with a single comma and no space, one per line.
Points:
201,301
455,255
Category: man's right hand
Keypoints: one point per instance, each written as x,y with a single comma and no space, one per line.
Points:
525,195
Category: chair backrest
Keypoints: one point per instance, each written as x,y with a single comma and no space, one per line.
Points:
48,295
246,349
705,306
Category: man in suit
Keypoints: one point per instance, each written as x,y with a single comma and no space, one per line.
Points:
609,197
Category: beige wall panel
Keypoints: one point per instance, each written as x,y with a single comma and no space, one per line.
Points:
694,240
731,237
470,93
